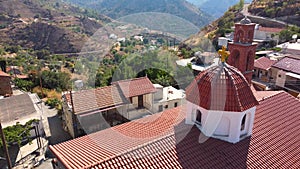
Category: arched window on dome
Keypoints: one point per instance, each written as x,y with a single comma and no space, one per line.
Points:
198,117
243,123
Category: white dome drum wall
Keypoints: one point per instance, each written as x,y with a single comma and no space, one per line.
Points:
220,102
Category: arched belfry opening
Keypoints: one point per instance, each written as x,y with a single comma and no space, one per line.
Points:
236,56
239,36
250,59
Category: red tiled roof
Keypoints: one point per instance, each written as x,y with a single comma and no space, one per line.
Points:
263,63
274,142
288,64
96,99
116,140
21,76
136,87
268,29
4,74
221,88
262,95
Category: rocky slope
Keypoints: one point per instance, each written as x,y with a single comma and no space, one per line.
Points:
121,8
51,25
224,24
284,10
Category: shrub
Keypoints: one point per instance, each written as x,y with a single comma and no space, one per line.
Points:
53,102
23,84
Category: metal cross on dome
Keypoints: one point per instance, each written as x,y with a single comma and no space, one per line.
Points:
223,54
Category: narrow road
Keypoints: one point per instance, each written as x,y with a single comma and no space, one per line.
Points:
245,12
54,129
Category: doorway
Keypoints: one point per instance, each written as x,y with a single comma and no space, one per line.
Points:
140,101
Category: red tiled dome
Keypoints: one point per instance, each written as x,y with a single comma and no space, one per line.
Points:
223,88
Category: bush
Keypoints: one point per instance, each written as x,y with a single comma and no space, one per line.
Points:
18,132
55,80
53,103
38,91
23,84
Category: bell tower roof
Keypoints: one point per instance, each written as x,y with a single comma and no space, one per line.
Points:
245,21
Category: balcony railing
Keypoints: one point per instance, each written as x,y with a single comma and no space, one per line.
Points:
292,85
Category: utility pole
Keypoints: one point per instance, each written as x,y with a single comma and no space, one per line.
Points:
5,148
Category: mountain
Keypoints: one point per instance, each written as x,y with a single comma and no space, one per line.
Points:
284,10
215,8
47,24
121,8
257,13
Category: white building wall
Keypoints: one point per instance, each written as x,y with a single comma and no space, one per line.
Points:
135,101
280,78
166,104
148,101
222,125
263,35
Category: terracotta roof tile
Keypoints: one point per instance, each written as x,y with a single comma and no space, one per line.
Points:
273,144
221,88
136,87
263,63
262,95
288,64
4,74
269,29
97,99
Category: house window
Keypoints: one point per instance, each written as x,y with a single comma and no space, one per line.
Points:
166,106
175,104
243,123
160,108
198,117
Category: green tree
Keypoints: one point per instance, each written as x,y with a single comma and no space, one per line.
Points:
55,80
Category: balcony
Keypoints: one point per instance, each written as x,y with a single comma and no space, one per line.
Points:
292,85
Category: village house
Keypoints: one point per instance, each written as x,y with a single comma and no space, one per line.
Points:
5,86
286,74
20,109
16,72
167,97
200,61
224,124
262,75
267,33
123,101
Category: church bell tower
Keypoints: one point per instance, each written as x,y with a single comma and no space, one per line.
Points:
242,49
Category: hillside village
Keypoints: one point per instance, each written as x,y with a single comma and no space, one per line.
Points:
226,97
